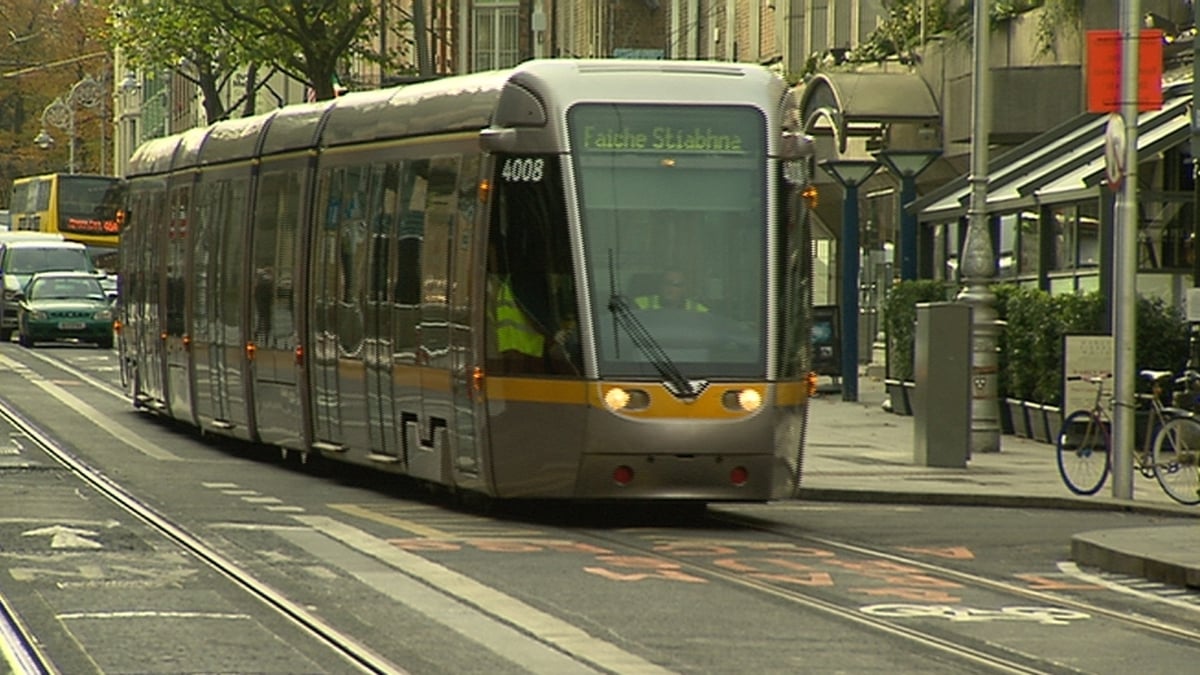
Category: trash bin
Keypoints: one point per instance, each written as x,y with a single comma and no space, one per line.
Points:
942,396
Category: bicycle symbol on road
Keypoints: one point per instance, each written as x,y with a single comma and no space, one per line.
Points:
1050,616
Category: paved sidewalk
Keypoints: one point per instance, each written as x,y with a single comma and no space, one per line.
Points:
856,451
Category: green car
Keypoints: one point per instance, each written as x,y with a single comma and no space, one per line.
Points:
64,305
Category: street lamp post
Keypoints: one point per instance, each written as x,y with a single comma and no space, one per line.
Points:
850,174
907,165
86,93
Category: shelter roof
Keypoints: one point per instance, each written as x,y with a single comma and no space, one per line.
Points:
849,104
1063,164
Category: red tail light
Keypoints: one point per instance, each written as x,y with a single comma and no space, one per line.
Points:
739,476
623,475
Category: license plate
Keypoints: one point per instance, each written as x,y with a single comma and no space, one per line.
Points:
70,325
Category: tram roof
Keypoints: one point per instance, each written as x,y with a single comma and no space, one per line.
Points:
235,139
153,156
459,103
452,104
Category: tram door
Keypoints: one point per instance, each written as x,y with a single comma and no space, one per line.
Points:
340,285
150,372
432,430
217,345
401,396
178,366
277,413
382,219
211,201
326,276
464,439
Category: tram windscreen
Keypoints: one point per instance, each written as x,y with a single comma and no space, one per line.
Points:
674,216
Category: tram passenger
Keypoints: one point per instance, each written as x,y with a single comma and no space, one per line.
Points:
672,294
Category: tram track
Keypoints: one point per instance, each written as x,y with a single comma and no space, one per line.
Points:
1189,633
354,653
19,647
897,619
988,659
931,627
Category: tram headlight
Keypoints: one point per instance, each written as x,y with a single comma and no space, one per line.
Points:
616,398
619,398
747,400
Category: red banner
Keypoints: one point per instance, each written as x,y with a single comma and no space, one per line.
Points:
1104,70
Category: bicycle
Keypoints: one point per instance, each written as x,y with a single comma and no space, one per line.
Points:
1168,452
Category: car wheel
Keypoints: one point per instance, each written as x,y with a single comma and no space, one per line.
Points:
105,343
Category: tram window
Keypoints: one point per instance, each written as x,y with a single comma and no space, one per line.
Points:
352,257
274,257
679,187
529,252
231,255
410,219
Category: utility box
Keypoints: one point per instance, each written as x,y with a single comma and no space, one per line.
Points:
941,403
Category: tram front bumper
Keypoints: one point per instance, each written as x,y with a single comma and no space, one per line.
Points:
680,476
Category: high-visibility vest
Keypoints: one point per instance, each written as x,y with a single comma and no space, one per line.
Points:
513,330
654,302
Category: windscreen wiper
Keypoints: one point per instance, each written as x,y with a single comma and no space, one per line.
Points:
673,378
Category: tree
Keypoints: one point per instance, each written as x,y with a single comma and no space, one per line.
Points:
208,42
189,41
45,47
306,40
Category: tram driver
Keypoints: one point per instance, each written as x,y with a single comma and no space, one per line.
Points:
672,294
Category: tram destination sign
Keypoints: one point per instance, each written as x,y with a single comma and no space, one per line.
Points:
659,138
732,130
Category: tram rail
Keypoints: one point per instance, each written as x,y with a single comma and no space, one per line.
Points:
23,645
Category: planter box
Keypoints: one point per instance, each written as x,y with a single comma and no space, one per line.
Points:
1006,420
1019,416
1054,422
899,393
1039,429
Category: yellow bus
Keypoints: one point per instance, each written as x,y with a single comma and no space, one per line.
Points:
86,208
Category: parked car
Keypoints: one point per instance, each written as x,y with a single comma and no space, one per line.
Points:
64,305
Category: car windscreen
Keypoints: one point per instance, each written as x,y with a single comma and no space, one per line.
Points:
49,259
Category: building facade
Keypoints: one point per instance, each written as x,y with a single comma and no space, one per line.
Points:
918,98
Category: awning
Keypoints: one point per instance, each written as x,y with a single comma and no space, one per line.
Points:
859,104
1063,164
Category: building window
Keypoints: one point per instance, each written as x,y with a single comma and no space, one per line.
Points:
496,32
1165,231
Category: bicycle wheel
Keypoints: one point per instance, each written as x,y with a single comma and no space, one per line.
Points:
1174,458
1083,452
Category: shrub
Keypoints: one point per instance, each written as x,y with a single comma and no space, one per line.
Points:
1030,344
1037,322
1162,336
900,317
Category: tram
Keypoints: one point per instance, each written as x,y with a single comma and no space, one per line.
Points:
449,280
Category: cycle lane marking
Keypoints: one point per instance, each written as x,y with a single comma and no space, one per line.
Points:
564,636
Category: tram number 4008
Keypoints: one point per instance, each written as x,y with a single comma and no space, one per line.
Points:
523,169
